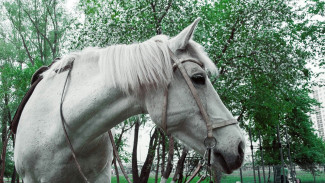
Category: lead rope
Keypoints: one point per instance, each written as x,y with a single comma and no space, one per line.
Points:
64,129
117,156
69,141
208,168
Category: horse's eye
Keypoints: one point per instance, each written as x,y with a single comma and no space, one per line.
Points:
198,79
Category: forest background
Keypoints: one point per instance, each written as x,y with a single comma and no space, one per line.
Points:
265,50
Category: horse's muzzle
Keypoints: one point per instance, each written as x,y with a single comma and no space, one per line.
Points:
230,160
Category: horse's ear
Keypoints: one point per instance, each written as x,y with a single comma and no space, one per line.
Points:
181,40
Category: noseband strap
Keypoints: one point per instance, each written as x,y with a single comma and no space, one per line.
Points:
179,64
224,123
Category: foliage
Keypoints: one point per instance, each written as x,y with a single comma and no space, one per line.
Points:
30,36
262,48
40,25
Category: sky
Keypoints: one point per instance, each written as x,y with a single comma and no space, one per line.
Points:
71,4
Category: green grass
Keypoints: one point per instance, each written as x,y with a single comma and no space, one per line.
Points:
152,179
308,178
305,178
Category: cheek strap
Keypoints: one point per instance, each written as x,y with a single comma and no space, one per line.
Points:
194,92
179,64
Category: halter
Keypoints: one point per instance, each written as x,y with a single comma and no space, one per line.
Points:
210,141
179,64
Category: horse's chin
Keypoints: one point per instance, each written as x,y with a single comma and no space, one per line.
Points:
220,163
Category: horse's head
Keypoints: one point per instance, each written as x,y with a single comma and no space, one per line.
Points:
184,118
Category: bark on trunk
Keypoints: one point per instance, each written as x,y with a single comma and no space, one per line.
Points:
13,175
145,172
169,166
135,172
180,167
157,168
216,175
17,179
6,117
163,153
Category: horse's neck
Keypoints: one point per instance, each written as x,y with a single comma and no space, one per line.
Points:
92,108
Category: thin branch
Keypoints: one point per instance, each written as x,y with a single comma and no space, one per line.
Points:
37,28
166,11
241,115
49,12
231,37
22,37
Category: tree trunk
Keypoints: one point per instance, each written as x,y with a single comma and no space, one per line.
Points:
5,119
163,149
180,166
169,166
17,179
13,175
157,168
269,178
145,172
135,172
216,175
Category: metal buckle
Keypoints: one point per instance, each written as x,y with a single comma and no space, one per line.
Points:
210,142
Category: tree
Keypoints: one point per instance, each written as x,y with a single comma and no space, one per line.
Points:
261,48
39,26
30,40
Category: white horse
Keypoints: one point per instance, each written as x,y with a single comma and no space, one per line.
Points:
107,86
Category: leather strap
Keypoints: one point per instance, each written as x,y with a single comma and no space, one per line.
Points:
224,123
189,60
196,171
179,64
65,130
201,179
194,93
36,78
118,157
164,112
69,67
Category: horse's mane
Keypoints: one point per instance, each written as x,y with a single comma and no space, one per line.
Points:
132,67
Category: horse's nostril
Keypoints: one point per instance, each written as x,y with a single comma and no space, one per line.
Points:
241,149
